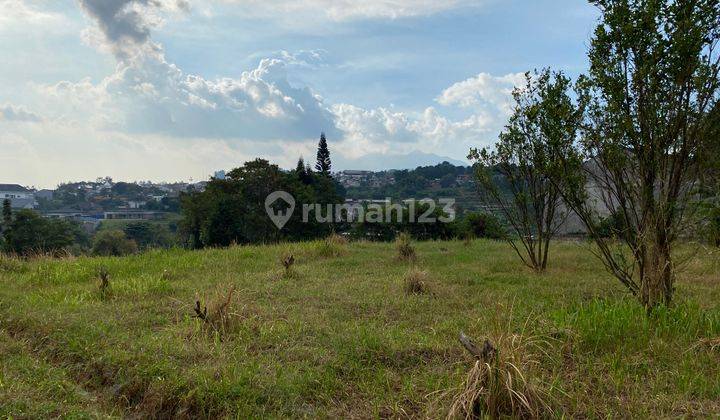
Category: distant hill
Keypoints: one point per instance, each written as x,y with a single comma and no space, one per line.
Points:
380,162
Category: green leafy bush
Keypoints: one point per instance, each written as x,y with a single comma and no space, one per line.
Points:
482,225
113,243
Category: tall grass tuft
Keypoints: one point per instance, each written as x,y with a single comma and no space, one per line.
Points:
104,286
331,247
287,260
405,249
504,380
416,282
10,264
218,316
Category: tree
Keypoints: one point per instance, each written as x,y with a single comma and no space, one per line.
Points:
304,172
28,233
6,212
149,235
483,225
544,114
652,95
323,164
113,243
233,210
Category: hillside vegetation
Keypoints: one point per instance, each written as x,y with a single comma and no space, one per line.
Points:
342,332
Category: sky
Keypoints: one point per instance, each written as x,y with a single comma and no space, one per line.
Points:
170,90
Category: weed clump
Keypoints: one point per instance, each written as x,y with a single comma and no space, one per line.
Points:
468,239
331,247
104,285
10,263
503,381
288,264
416,282
219,318
405,249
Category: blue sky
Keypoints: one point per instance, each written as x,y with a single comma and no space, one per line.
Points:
175,89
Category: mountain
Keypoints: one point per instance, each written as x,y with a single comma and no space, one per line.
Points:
379,161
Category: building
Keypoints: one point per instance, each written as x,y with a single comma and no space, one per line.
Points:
133,215
19,196
353,178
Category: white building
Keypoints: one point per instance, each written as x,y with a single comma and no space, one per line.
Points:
19,196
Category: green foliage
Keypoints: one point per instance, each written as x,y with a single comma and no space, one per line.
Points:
422,221
233,210
323,164
713,227
612,226
420,182
6,212
482,225
526,157
149,235
113,243
29,233
651,99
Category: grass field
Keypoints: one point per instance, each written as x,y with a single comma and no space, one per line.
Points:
340,337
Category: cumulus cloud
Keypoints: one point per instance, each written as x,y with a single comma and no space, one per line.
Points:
351,9
386,131
303,58
148,94
9,112
483,90
126,24
19,12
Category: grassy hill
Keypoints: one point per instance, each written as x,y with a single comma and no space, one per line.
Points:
339,336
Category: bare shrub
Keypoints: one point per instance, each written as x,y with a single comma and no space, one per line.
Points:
503,381
416,282
287,260
217,316
405,249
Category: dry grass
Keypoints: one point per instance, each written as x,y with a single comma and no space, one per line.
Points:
104,286
416,282
336,239
405,249
709,343
332,247
504,379
218,316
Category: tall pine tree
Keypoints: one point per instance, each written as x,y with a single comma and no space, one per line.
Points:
303,172
323,157
6,212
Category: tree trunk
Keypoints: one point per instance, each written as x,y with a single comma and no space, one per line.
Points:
657,281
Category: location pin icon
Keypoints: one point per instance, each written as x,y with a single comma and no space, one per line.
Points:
281,217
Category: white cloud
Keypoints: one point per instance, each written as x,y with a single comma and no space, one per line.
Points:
10,112
20,12
148,94
350,9
381,131
483,90
152,119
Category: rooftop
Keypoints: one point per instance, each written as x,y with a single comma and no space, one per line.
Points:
13,188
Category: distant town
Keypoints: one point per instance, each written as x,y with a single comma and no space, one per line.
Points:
90,202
